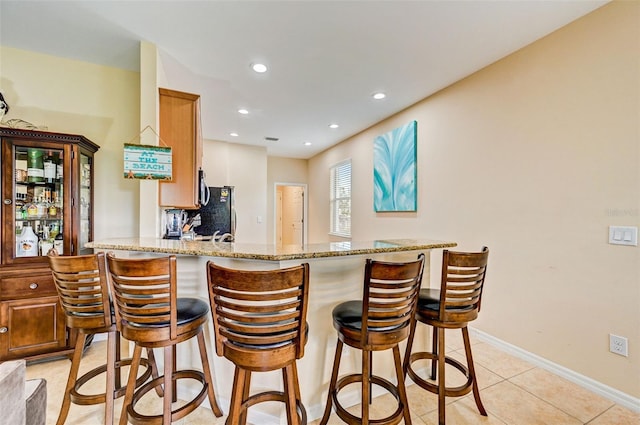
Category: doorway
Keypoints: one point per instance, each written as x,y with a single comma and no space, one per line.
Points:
291,214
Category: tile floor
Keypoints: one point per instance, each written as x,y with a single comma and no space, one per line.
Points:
513,391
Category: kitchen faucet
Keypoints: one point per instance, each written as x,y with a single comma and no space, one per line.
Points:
228,237
222,238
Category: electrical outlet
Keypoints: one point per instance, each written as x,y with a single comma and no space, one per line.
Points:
618,345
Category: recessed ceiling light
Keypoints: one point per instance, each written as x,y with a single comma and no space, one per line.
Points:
243,111
259,67
379,96
308,143
333,125
233,134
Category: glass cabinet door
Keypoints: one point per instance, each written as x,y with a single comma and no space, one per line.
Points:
86,180
38,201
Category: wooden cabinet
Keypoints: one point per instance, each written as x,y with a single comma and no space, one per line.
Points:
47,191
180,129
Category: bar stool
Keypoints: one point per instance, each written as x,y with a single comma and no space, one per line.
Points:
84,296
149,313
453,306
259,318
380,321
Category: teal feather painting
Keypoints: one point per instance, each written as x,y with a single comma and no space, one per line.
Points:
395,170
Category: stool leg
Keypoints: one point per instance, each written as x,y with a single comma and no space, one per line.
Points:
441,379
332,384
472,371
174,367
246,386
73,375
434,350
290,394
236,396
409,346
207,375
118,377
154,370
131,384
169,388
370,375
366,386
113,376
402,390
294,367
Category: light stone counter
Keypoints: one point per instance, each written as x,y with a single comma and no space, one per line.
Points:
336,275
267,252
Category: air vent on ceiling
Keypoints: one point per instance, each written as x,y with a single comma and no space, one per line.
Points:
271,139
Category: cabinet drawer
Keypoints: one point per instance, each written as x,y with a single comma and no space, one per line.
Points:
27,287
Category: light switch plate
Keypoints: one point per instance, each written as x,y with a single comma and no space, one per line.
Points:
623,235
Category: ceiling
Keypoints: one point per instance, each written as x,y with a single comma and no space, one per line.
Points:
325,58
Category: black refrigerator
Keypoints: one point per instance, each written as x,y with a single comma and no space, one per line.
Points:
219,214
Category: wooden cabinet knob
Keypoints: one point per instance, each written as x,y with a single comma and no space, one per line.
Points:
33,286
3,330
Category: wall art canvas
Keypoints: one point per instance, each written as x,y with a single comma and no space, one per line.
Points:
395,169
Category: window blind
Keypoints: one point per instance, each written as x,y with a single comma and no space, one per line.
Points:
340,199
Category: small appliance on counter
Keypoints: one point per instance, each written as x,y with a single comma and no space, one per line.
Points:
174,220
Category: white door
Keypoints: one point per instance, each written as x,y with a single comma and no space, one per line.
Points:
290,209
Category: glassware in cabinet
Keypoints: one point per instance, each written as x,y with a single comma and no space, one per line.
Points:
38,200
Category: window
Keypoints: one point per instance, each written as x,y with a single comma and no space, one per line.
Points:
340,199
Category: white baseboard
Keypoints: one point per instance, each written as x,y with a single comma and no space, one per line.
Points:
592,385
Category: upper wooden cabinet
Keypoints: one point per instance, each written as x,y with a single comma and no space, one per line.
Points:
180,129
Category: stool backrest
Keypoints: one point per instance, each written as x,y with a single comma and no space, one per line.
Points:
461,284
81,282
259,309
390,295
144,292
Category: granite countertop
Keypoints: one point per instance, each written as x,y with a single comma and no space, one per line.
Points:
264,251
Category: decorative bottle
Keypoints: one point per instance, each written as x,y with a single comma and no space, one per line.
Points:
59,167
50,168
46,243
58,243
27,243
35,167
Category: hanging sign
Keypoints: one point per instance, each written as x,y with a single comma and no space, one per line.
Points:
147,162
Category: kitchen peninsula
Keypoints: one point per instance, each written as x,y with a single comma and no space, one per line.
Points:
336,275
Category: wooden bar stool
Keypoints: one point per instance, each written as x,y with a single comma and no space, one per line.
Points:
379,322
149,313
453,306
259,318
84,295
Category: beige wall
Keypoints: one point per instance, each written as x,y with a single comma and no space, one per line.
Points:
245,168
534,156
98,102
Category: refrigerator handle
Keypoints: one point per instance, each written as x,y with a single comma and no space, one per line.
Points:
235,222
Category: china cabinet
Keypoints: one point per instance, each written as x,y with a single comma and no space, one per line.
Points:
47,204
